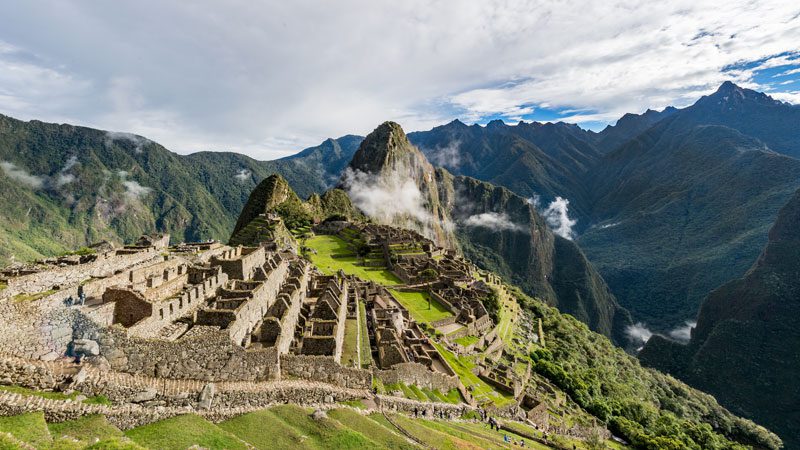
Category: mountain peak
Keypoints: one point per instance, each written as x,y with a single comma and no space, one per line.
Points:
386,149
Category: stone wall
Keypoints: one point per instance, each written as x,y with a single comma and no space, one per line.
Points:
251,313
418,375
209,356
74,274
37,329
324,369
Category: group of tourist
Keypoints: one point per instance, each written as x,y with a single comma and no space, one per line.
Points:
495,425
70,301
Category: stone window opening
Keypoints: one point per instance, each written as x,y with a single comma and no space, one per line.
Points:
161,312
170,309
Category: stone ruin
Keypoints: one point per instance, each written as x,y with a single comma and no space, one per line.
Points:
221,325
208,311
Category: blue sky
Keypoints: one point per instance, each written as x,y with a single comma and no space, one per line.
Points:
270,78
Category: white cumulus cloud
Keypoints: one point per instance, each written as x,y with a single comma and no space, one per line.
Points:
287,76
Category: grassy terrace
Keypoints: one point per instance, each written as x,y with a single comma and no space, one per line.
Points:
279,427
417,305
333,254
366,351
467,340
480,389
350,355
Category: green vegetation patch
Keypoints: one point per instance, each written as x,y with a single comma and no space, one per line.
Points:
370,428
324,433
433,438
479,388
29,427
332,253
32,297
350,353
366,350
466,341
265,430
422,310
86,429
184,431
96,400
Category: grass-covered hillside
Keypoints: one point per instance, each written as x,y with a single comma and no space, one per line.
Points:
280,427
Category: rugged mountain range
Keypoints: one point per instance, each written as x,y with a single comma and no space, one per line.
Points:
393,183
668,205
744,349
680,207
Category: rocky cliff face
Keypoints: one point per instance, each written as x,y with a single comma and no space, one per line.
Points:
393,183
744,349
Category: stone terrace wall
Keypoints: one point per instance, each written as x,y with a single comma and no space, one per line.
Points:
326,370
210,356
37,329
69,275
419,375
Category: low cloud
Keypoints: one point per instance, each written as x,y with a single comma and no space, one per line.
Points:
243,175
21,175
63,177
386,197
137,141
493,221
638,334
684,332
133,190
535,201
557,216
448,156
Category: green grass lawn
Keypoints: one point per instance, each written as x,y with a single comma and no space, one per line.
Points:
265,430
370,428
417,305
509,309
366,351
182,432
326,246
30,428
350,355
97,400
325,433
86,429
467,340
433,438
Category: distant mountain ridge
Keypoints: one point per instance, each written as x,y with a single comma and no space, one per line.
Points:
744,349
